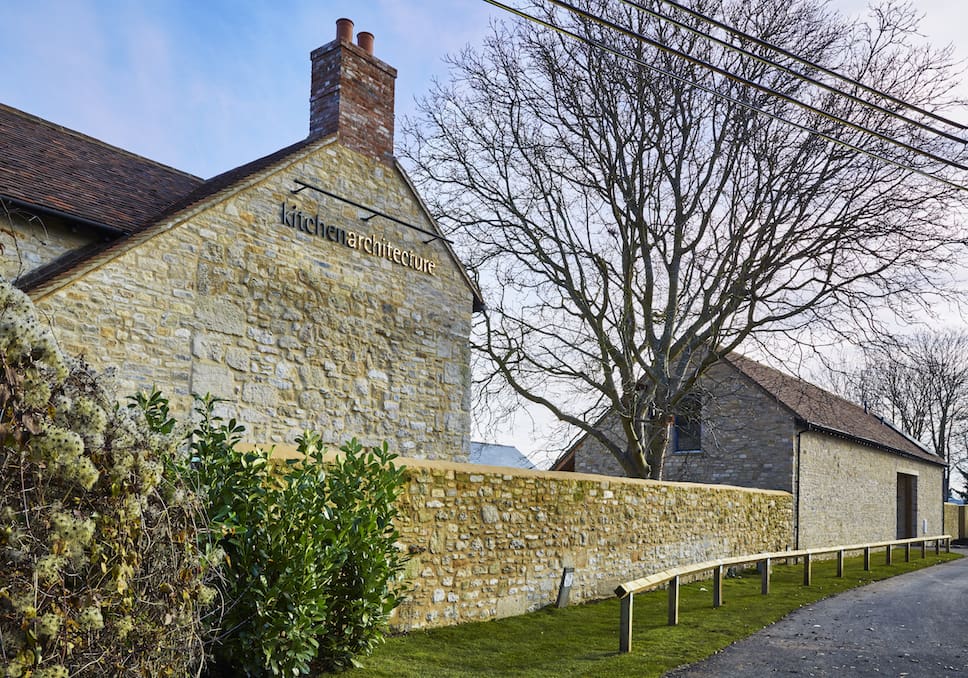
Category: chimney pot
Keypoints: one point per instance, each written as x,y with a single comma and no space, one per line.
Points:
344,30
365,40
351,94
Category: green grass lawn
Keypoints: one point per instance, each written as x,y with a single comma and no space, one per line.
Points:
583,640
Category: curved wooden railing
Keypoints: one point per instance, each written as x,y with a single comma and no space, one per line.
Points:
672,576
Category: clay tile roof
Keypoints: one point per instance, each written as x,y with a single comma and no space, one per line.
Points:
224,180
52,167
824,410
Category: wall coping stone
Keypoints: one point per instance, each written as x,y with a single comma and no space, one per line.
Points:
285,452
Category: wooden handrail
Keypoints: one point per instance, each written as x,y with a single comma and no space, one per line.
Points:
673,575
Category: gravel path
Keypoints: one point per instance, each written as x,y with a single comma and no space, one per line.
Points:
911,625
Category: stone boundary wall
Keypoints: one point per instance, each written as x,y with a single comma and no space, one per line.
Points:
955,521
489,542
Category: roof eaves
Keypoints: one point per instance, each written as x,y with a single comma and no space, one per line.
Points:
33,279
41,209
184,208
928,456
564,458
890,424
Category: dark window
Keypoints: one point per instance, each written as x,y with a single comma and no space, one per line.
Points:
687,432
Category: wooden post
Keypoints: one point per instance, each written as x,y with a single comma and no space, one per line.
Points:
674,601
907,552
840,563
765,576
867,558
889,554
937,547
806,570
947,545
625,625
924,547
718,586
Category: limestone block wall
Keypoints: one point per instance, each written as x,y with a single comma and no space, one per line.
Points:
491,542
747,436
592,457
28,242
955,521
258,298
848,492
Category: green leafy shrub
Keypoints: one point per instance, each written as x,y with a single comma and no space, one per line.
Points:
100,570
362,486
312,566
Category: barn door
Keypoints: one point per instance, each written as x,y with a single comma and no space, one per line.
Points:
907,506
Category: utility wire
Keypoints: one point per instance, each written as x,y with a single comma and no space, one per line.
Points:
751,83
826,71
834,140
798,74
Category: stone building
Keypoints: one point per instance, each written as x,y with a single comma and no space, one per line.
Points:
853,476
310,288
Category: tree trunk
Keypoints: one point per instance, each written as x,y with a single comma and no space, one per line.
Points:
645,453
658,441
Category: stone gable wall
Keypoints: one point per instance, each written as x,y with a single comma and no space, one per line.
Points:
849,492
747,439
747,436
293,327
491,542
28,242
592,457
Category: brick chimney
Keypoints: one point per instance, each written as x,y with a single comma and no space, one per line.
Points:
352,94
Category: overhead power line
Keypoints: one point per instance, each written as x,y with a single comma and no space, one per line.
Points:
806,62
655,69
751,83
798,74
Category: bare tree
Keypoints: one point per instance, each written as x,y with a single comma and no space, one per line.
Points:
920,383
959,476
631,227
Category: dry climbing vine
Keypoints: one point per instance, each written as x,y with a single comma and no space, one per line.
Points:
100,568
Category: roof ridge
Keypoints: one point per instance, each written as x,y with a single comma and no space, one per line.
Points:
87,137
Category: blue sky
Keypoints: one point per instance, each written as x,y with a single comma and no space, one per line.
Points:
206,85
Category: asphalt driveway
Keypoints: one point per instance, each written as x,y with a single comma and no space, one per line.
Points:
911,625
